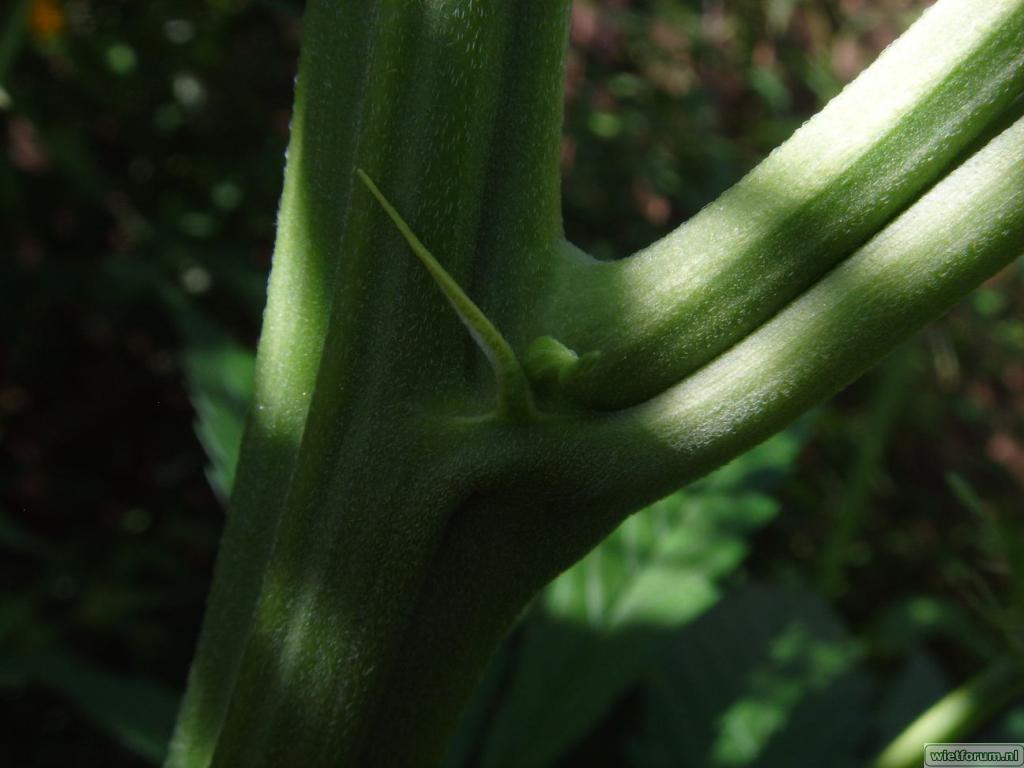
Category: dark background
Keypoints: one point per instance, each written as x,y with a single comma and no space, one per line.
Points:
142,152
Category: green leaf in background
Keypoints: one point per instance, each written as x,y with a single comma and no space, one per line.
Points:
599,627
219,372
905,626
136,712
767,678
472,728
1009,728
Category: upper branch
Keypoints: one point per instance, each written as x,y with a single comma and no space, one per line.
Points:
658,316
962,231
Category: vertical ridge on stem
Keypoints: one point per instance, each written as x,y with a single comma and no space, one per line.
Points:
324,140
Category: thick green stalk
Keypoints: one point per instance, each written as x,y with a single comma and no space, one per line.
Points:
294,326
383,536
455,109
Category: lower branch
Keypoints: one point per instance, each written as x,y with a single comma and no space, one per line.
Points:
957,714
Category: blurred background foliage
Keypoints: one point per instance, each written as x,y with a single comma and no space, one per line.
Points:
798,608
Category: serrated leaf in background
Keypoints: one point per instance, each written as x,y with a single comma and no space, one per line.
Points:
219,373
138,713
600,625
768,678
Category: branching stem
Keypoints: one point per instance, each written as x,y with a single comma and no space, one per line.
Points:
370,564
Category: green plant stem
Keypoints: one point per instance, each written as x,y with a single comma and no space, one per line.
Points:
294,327
379,543
958,714
457,107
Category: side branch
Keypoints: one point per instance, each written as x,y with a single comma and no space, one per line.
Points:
663,313
961,232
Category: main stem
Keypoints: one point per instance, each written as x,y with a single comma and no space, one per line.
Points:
342,497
